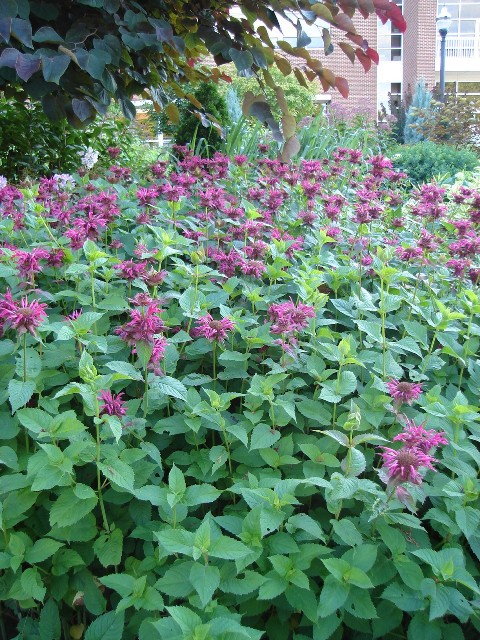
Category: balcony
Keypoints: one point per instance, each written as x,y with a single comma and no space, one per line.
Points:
462,53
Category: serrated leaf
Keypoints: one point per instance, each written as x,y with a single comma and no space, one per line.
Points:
126,369
119,473
205,579
68,508
108,626
19,393
49,625
108,548
32,584
332,597
170,387
263,437
228,549
42,549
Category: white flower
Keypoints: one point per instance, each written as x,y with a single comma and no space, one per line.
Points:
89,157
63,180
3,182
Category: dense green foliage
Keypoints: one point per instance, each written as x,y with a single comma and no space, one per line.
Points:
30,144
300,100
425,160
190,128
77,56
198,369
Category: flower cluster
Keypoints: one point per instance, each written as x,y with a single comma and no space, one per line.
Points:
21,315
212,329
404,465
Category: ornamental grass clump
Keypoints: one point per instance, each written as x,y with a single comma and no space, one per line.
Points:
239,400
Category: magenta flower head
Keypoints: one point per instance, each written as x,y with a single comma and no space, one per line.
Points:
113,405
403,465
415,436
403,392
212,329
22,315
143,325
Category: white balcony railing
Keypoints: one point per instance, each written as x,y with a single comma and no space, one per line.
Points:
461,47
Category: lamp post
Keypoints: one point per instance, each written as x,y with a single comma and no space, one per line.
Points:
444,20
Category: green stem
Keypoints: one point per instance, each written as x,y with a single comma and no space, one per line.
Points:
227,447
384,342
214,365
24,357
430,349
99,479
467,338
145,394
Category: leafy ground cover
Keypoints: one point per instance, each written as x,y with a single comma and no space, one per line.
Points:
239,400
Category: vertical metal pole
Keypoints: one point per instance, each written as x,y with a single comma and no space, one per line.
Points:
443,35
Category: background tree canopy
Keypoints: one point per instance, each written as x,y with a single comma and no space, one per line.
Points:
77,55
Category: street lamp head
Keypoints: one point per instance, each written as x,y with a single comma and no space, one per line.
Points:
444,21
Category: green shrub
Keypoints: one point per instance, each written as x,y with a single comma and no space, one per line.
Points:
191,129
425,160
30,144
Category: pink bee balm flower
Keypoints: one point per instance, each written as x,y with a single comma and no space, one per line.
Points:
22,315
143,326
113,405
403,465
404,391
158,353
417,437
286,317
212,329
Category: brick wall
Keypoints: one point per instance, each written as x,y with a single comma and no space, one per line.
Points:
419,42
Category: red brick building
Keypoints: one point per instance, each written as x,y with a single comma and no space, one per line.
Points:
406,58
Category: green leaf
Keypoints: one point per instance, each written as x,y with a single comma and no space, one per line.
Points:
126,369
228,549
54,65
332,597
19,393
421,627
170,387
187,620
176,481
109,626
205,579
410,572
122,583
347,383
272,587
176,580
243,60
32,584
263,437
200,494
69,509
8,457
49,626
347,532
108,548
119,473
34,364
42,549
